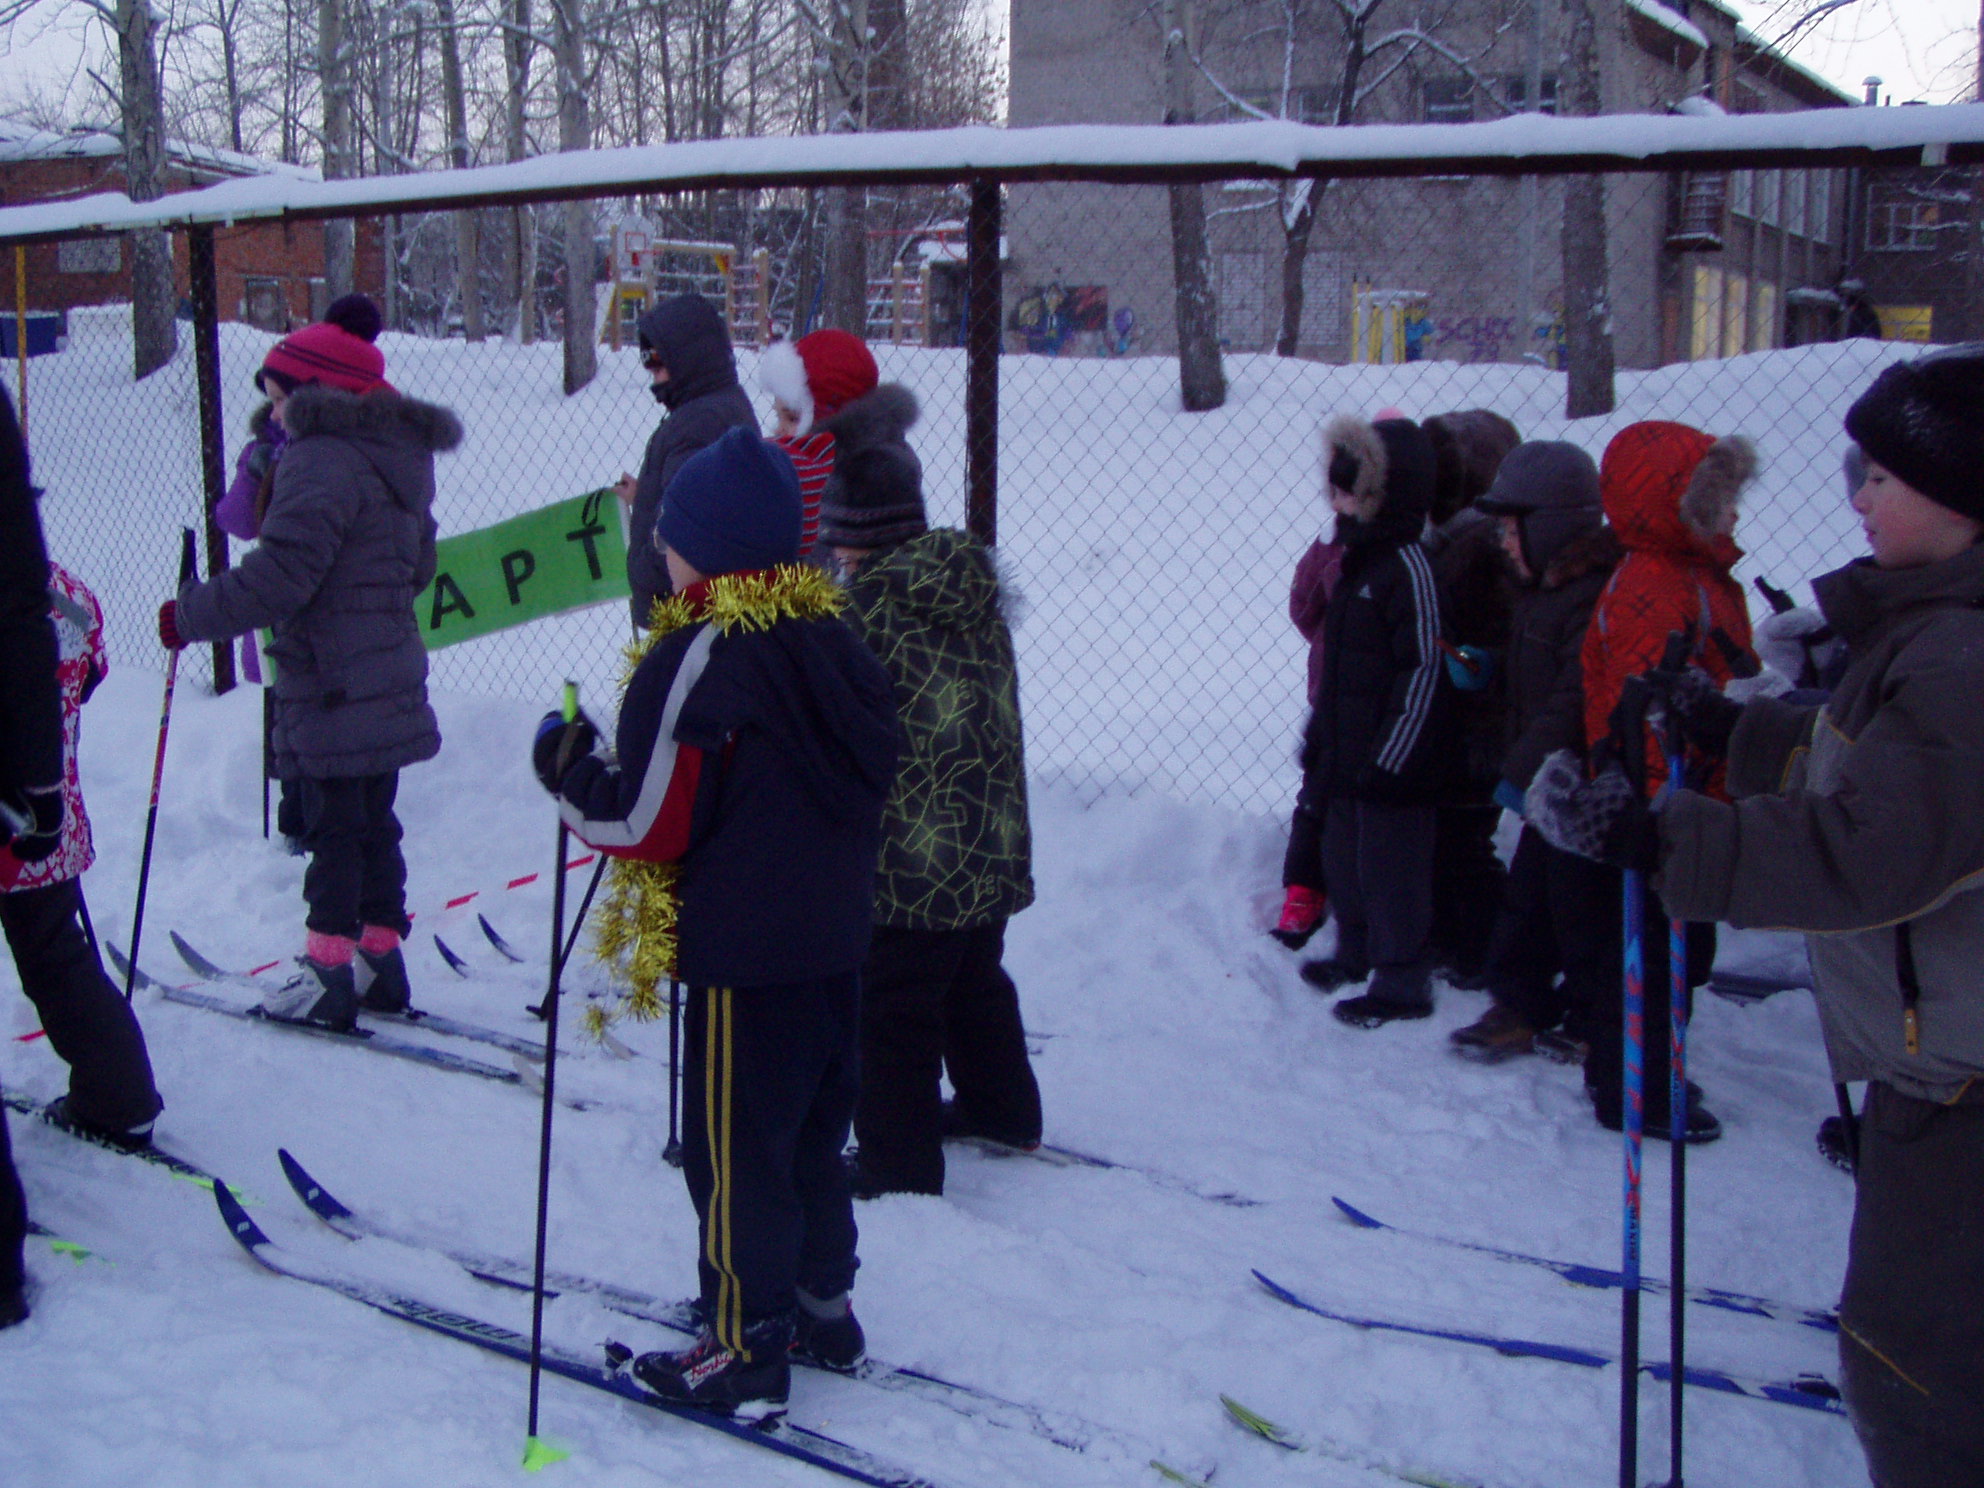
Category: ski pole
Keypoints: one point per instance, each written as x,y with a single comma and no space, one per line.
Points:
158,774
672,1153
1632,741
1677,1132
569,707
537,1009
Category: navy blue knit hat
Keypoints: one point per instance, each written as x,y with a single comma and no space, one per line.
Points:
733,507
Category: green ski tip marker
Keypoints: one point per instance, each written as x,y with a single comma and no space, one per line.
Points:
568,707
1255,1422
540,1454
72,1250
1171,1474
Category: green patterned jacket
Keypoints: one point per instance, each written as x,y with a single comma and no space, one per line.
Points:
956,848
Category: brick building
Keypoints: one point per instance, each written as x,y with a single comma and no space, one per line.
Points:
1707,265
269,274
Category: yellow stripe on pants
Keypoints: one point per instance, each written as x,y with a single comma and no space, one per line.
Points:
717,1101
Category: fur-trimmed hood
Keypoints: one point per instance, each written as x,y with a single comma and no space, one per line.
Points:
1385,469
1666,488
1469,446
397,435
884,416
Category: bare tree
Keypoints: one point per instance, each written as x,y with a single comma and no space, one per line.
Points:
154,333
575,133
1587,293
468,240
339,157
1201,374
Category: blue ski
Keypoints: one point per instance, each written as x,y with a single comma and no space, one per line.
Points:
1594,1276
787,1439
1813,1392
503,947
680,1317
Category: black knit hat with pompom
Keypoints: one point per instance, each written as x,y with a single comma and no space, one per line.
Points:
1924,421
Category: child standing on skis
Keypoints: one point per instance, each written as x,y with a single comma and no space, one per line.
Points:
345,545
756,746
1860,822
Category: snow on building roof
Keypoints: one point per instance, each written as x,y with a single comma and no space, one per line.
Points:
1521,144
1670,20
20,142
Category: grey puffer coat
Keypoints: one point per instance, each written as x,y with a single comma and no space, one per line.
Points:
346,545
1866,815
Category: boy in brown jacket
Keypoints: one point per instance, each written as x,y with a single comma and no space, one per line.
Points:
1862,823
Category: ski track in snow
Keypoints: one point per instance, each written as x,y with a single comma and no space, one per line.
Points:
1186,1044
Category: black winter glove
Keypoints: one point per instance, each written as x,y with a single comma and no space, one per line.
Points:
1707,718
1604,818
558,744
31,822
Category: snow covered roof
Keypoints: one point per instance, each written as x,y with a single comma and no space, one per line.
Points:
20,142
1521,144
1670,20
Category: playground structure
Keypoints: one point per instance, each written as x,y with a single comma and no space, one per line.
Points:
646,268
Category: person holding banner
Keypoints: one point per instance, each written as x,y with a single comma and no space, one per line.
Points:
346,543
685,347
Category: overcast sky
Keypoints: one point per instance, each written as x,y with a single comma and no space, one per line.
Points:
1922,49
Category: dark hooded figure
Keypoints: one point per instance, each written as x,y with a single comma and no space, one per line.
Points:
685,347
1374,748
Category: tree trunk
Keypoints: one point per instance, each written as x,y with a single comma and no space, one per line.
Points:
154,334
334,82
468,235
1298,219
575,133
1587,293
520,235
1201,375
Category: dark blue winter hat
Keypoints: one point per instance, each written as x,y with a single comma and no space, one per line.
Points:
733,507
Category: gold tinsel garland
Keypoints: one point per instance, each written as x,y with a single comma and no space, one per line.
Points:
635,927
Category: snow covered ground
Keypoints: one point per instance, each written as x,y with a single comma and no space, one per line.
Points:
1174,1036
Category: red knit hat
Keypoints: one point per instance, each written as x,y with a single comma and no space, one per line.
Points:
818,375
336,350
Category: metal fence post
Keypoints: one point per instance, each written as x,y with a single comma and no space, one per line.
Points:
982,314
206,372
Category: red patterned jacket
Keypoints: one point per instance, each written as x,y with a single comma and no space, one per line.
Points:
82,663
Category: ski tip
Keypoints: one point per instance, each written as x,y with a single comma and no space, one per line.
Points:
1254,1421
540,1453
1357,1216
319,1200
239,1224
455,963
192,957
495,938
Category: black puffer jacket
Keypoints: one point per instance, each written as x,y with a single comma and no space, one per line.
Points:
30,707
1377,732
346,545
703,399
1544,672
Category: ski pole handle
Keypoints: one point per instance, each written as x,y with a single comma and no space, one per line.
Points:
188,562
568,705
1779,601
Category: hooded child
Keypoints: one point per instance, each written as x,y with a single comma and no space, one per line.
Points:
692,371
956,861
755,747
1373,749
345,545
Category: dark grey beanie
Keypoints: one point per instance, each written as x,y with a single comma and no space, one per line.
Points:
1551,488
1924,421
873,498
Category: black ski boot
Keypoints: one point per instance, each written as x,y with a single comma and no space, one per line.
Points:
1333,973
827,1335
381,981
326,996
750,1386
1835,1146
129,1138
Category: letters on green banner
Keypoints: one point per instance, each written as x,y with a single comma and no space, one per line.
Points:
561,557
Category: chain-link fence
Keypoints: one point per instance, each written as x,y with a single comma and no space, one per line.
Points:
1152,549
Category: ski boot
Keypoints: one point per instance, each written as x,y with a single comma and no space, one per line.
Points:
325,996
750,1386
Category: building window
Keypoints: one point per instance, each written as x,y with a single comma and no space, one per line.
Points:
1905,219
1448,100
1516,93
265,304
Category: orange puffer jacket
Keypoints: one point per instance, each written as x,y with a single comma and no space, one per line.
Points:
1668,490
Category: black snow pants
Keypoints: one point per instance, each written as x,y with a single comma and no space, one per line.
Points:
931,1001
1911,1319
768,1088
356,875
89,1024
1379,861
1467,885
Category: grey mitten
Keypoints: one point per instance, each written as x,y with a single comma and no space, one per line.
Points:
1604,818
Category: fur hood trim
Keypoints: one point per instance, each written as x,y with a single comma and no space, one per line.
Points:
1596,551
884,416
1353,451
1715,489
782,374
318,409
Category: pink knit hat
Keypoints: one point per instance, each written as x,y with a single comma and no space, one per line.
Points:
336,351
819,375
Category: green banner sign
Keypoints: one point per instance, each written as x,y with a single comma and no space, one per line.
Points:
561,557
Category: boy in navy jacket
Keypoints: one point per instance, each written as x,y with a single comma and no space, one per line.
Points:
756,746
